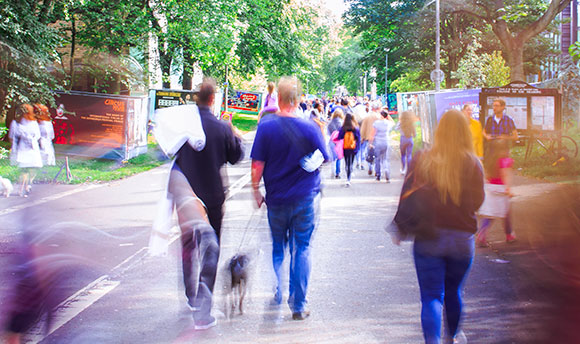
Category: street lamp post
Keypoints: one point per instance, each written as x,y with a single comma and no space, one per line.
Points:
386,74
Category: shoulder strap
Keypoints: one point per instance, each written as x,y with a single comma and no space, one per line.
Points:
292,134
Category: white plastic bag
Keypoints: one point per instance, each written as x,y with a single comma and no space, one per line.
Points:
176,125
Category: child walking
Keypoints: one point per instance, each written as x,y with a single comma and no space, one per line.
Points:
498,170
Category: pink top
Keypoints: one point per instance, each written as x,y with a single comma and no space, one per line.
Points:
503,163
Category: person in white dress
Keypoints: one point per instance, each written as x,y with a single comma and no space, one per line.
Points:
46,134
25,152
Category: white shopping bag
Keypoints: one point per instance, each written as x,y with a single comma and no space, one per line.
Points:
176,125
496,203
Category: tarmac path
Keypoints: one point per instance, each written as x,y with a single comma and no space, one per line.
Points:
363,288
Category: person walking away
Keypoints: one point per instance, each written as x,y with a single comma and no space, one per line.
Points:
476,130
271,97
442,261
366,130
360,112
292,193
202,171
270,103
408,133
333,129
498,172
316,115
350,135
194,225
380,141
25,151
46,134
500,126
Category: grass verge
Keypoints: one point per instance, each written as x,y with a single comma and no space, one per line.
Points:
540,166
245,123
86,170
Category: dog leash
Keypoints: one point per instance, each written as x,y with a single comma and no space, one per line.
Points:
248,225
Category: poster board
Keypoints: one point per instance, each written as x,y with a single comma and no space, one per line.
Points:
531,108
100,125
447,100
245,102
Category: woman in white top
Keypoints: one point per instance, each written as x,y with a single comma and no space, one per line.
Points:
380,140
25,135
46,134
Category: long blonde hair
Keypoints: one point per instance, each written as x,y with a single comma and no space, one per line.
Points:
443,165
407,121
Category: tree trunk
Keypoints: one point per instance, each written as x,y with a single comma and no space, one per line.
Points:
73,31
516,62
187,78
165,64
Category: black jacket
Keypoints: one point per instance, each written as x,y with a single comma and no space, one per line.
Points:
202,169
449,215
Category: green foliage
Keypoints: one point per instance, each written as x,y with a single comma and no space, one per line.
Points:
497,73
569,80
480,69
410,82
27,47
245,123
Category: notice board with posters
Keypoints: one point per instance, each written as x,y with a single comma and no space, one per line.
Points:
245,102
100,125
531,108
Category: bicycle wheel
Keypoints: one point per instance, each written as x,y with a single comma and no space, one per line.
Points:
569,147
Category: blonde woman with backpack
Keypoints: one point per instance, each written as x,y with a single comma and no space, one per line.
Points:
350,135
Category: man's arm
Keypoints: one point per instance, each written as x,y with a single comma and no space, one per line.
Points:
234,147
512,136
257,173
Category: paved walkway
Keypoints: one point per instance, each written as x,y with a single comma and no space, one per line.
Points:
363,288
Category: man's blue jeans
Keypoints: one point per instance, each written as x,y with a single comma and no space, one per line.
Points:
442,265
293,224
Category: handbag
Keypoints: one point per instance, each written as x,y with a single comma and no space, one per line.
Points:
415,215
370,154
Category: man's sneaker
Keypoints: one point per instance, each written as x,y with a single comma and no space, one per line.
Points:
204,324
300,315
347,183
510,238
370,172
388,181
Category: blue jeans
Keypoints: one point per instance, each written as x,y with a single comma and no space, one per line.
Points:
442,265
382,161
293,224
406,151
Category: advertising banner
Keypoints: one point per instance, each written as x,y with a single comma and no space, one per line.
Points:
101,123
168,98
448,100
245,102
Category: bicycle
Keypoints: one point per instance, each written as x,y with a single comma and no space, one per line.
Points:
556,146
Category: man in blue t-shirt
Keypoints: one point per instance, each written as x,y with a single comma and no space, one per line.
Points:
292,193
